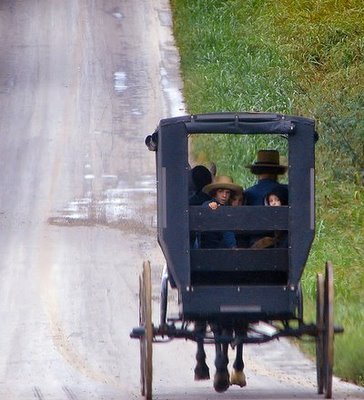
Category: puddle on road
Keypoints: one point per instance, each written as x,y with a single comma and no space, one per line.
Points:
117,14
123,204
120,81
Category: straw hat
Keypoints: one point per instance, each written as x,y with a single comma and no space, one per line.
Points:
267,163
222,182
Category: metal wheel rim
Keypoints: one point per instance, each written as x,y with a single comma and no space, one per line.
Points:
328,329
320,287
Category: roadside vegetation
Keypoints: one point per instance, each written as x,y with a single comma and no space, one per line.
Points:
303,57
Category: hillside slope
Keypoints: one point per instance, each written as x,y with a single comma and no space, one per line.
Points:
295,57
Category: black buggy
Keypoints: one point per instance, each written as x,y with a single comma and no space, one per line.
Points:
236,288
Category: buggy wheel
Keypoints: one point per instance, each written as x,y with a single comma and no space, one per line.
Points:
146,340
320,287
328,336
141,340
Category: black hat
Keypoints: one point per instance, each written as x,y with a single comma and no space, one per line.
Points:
267,162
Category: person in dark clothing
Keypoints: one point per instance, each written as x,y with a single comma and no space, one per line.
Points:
220,191
276,198
237,200
200,177
267,168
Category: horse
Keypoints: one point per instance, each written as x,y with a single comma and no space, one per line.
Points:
224,335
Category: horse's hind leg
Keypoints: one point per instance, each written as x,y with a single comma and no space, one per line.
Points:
201,370
221,378
237,374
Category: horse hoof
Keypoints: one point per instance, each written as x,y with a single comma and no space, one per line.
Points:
237,378
221,381
202,372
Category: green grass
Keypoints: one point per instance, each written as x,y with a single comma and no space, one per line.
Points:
301,57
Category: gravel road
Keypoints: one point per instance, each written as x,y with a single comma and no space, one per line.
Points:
81,84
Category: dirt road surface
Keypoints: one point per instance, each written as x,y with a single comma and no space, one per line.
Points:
81,84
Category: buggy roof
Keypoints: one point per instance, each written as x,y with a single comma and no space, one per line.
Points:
241,122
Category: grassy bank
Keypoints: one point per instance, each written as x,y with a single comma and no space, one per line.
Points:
296,57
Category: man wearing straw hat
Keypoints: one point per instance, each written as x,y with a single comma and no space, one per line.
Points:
267,168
